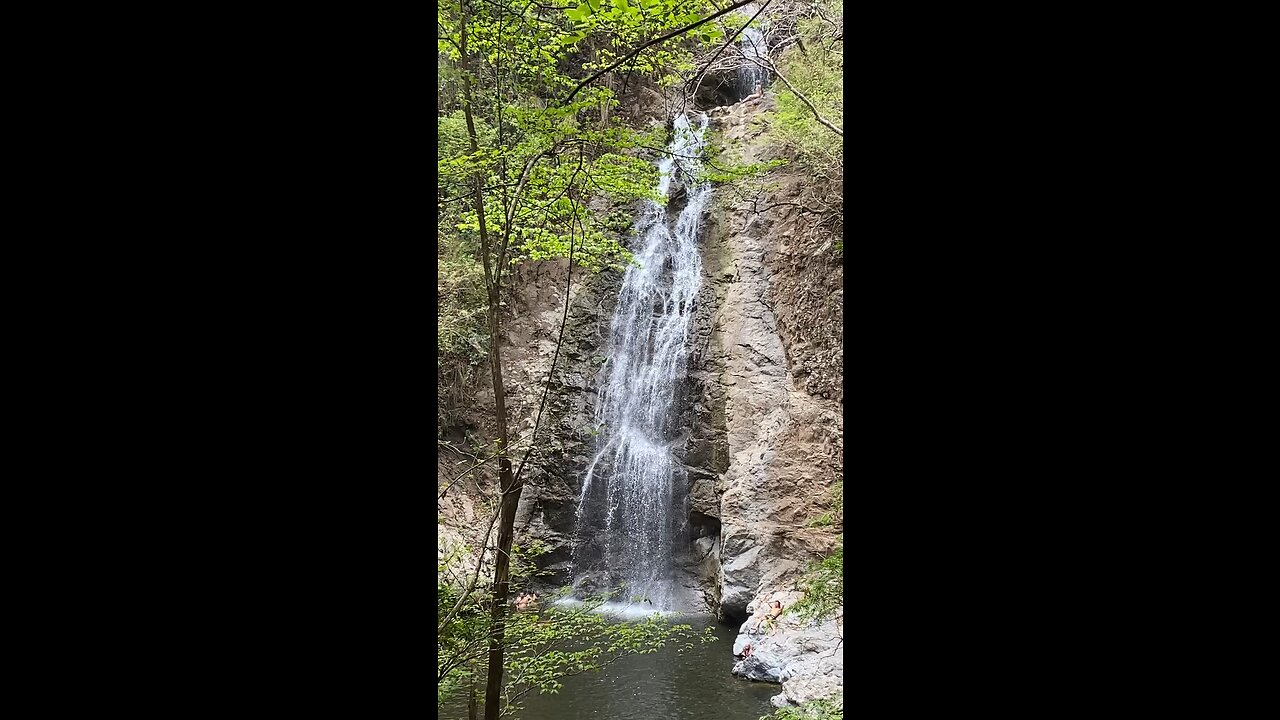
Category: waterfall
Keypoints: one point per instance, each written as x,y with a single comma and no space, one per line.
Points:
634,484
751,75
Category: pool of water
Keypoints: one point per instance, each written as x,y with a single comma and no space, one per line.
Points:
693,685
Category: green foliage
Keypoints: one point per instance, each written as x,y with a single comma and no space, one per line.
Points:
823,582
818,73
824,520
462,637
461,300
452,134
730,173
824,709
540,163
611,28
619,222
722,165
543,645
823,587
813,66
562,641
836,495
547,158
552,209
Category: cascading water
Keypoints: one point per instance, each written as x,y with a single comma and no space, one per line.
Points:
750,73
634,484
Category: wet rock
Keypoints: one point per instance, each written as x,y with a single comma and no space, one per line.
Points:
703,497
762,666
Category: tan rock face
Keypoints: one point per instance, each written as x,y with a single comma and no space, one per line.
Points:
784,440
778,342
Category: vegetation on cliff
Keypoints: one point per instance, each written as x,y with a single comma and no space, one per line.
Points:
813,710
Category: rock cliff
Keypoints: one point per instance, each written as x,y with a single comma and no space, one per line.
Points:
778,339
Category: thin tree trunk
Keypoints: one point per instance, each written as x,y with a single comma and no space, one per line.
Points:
510,491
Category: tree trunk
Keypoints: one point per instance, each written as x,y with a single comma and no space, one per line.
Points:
510,497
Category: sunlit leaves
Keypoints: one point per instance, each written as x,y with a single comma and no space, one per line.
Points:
617,26
579,13
823,586
822,709
729,173
544,645
454,160
819,75
544,166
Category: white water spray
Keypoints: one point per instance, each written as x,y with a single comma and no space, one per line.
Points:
750,73
646,361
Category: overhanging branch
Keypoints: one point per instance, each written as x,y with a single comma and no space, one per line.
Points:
655,41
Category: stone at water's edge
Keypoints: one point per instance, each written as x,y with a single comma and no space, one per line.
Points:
763,666
808,660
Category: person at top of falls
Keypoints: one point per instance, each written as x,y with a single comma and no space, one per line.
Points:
759,93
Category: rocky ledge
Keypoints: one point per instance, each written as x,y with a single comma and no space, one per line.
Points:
806,658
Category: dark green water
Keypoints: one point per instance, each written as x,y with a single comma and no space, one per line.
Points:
694,685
